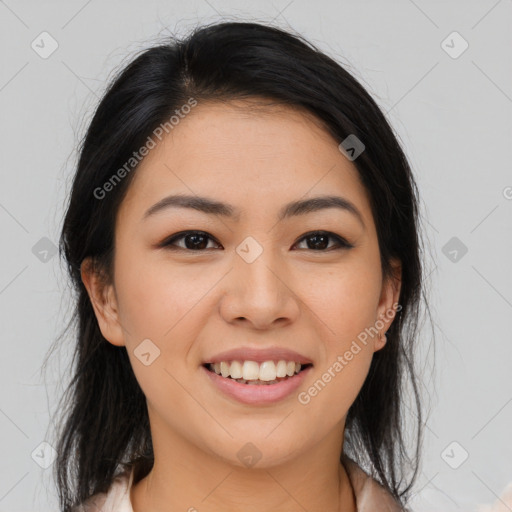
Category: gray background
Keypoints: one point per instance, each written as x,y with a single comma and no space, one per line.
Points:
453,116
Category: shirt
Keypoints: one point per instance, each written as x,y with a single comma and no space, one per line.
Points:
370,495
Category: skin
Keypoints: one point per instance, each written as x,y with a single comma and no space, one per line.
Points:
194,304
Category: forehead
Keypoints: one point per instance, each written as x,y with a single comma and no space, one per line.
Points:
247,155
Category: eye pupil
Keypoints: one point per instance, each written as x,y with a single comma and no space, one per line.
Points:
319,244
195,245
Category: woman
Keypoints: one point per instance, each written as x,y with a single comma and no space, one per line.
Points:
242,235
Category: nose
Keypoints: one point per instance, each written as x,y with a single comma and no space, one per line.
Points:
259,294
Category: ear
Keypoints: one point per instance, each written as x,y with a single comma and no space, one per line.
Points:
388,303
104,302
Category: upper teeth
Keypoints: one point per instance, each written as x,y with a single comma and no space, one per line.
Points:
251,370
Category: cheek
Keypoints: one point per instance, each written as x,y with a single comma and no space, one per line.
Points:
162,303
157,300
341,384
168,305
344,299
345,302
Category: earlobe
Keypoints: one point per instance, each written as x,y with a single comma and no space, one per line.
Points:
104,302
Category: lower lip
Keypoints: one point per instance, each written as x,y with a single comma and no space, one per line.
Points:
257,394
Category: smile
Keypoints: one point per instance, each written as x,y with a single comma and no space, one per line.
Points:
251,372
254,390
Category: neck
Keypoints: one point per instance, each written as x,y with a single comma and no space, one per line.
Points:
187,478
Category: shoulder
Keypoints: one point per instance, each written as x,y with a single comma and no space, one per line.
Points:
116,499
370,494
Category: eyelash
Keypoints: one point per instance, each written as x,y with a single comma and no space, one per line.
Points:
168,243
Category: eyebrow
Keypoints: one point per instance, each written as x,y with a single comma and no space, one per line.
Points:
219,209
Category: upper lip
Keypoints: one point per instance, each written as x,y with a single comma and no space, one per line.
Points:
259,355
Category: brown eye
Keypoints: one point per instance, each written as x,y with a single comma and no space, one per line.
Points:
193,241
319,241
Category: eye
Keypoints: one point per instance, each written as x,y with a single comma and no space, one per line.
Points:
198,241
320,241
193,240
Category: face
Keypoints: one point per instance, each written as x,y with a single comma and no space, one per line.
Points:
308,282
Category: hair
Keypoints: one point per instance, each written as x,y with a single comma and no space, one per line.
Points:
105,425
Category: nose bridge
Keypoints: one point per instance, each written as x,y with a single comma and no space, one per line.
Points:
257,291
257,267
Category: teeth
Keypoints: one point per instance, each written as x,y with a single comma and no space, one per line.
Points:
251,371
281,369
267,371
224,369
236,370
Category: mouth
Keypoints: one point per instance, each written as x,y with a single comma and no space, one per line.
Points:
254,384
252,373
